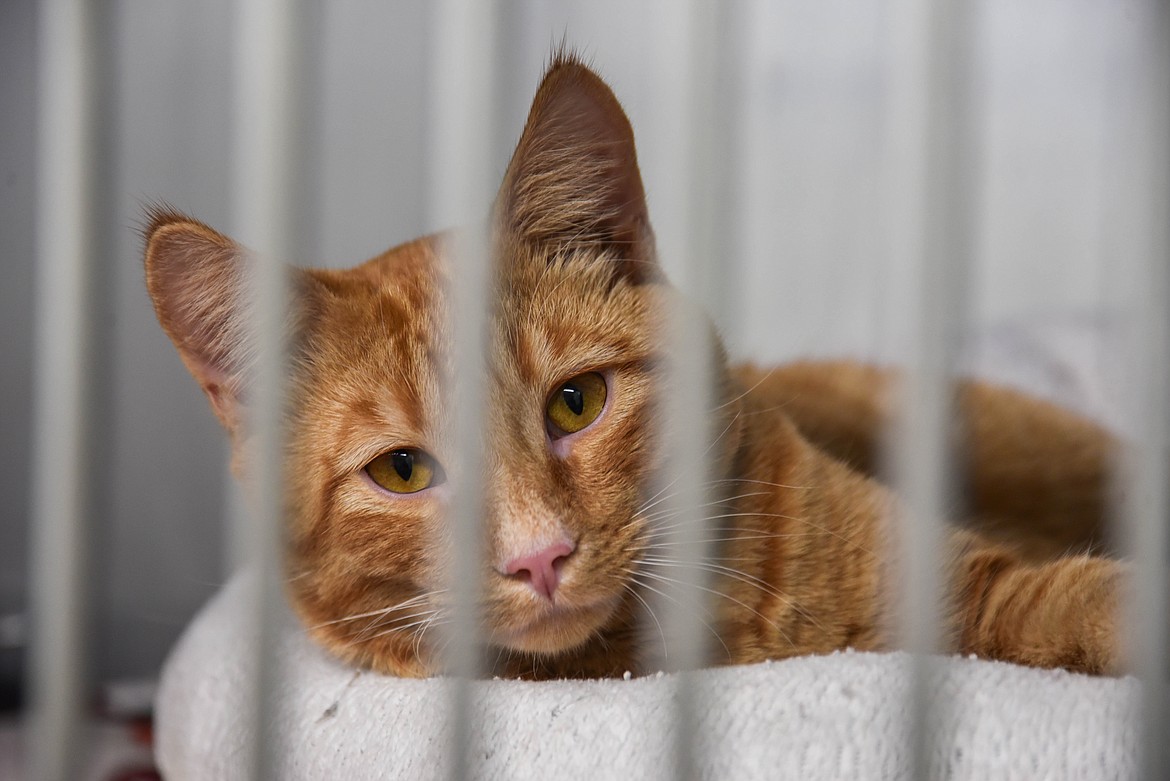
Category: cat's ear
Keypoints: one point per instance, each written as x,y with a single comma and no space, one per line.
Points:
196,279
573,181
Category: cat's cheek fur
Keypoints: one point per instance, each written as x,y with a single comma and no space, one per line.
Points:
360,553
591,499
591,578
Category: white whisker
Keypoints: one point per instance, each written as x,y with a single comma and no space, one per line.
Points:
676,582
381,611
634,577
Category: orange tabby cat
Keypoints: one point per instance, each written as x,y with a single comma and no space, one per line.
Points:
576,359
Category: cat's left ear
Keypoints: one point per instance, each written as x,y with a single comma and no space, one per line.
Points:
573,182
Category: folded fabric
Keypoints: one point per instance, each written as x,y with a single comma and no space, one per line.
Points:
839,716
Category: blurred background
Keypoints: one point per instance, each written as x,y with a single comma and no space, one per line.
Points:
808,83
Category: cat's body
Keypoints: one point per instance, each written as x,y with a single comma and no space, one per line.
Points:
572,459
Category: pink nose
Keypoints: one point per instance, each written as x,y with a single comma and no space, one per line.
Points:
541,569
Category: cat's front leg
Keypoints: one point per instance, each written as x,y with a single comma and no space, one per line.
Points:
1061,613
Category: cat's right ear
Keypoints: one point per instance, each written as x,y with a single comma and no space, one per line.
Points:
196,277
573,182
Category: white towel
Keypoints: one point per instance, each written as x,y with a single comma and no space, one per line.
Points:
841,716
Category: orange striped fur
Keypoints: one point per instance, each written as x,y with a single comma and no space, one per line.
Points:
804,529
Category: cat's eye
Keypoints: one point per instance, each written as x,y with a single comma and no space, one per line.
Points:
576,404
405,471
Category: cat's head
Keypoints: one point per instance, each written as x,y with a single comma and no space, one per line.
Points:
577,349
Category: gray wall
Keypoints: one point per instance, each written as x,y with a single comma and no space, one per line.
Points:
1052,81
17,137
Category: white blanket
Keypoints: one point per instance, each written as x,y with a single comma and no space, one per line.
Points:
833,717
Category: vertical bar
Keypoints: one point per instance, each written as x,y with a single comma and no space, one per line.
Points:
462,179
65,328
265,187
1147,505
692,205
931,157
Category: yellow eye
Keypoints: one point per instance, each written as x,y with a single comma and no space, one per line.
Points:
576,404
404,471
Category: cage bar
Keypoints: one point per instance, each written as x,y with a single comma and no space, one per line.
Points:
932,166
462,182
265,164
65,331
1146,506
691,206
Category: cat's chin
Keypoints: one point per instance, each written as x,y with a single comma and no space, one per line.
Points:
555,631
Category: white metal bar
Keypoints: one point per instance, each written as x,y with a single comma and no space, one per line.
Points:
65,233
1147,509
681,604
265,164
931,158
463,181
693,209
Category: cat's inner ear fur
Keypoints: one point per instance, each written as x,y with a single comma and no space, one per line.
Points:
573,182
196,279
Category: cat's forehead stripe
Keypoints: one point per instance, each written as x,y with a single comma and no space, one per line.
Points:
566,314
